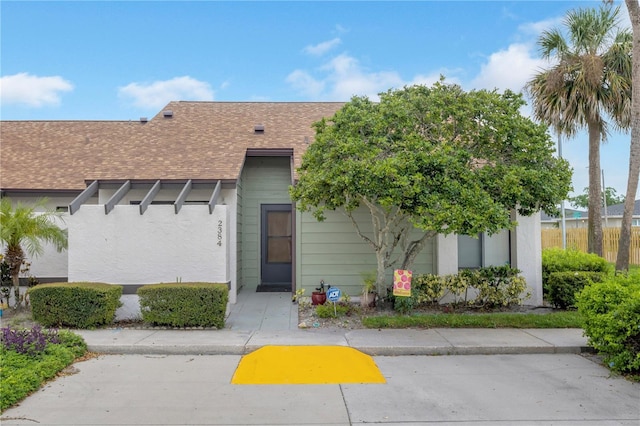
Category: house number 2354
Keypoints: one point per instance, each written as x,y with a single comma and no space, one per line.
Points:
219,233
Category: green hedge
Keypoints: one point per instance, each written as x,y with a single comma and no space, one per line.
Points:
493,286
184,304
558,260
563,286
77,305
611,312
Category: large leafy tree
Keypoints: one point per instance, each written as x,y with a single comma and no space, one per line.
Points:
589,81
438,159
23,229
622,259
610,195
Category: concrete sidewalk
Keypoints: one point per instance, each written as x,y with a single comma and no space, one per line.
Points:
370,341
259,319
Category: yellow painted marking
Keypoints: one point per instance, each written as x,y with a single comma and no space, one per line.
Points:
298,365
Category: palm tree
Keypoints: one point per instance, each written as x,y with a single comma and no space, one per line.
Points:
23,227
590,80
622,260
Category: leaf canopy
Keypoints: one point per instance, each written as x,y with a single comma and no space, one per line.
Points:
449,160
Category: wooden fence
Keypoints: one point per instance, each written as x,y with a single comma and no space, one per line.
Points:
577,238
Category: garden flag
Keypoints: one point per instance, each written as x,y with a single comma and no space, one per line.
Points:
402,282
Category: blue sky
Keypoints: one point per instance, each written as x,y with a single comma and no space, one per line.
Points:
125,60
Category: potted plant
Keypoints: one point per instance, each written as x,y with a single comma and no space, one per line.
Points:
369,294
319,296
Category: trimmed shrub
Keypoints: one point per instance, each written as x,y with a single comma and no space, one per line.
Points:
497,286
77,305
492,286
558,260
611,312
184,304
428,288
563,286
404,304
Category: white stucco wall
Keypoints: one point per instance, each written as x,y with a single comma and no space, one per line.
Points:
125,247
50,264
526,254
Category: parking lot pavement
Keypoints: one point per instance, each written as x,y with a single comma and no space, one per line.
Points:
537,389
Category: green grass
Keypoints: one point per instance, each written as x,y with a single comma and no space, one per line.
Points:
21,374
565,319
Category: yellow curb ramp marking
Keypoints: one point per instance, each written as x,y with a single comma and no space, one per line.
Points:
306,365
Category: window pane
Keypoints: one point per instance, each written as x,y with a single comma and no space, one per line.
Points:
496,249
279,224
469,252
279,250
279,237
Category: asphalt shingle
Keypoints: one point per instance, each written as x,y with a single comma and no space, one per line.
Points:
202,140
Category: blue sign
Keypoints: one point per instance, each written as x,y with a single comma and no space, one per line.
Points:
333,294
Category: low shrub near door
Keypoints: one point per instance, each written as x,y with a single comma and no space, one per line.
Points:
184,304
76,305
611,313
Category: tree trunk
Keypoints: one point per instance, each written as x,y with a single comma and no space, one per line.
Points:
380,274
14,257
622,260
595,192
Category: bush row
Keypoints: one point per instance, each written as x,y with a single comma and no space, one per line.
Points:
90,305
78,305
565,272
611,313
184,305
487,287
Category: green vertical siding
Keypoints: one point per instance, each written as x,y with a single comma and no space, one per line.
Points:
265,180
333,252
239,278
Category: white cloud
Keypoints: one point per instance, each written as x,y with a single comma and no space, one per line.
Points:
508,69
322,48
347,78
304,83
343,77
534,29
159,93
31,90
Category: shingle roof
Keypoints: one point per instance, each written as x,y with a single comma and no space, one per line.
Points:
614,210
618,209
203,140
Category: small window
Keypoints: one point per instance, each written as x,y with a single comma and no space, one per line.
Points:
482,250
469,252
635,222
62,209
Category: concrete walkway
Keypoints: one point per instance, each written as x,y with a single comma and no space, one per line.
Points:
260,319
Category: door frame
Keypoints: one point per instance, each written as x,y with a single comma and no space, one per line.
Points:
264,209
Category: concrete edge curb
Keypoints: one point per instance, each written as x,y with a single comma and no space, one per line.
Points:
369,350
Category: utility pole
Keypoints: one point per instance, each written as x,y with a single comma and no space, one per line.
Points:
604,200
563,225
